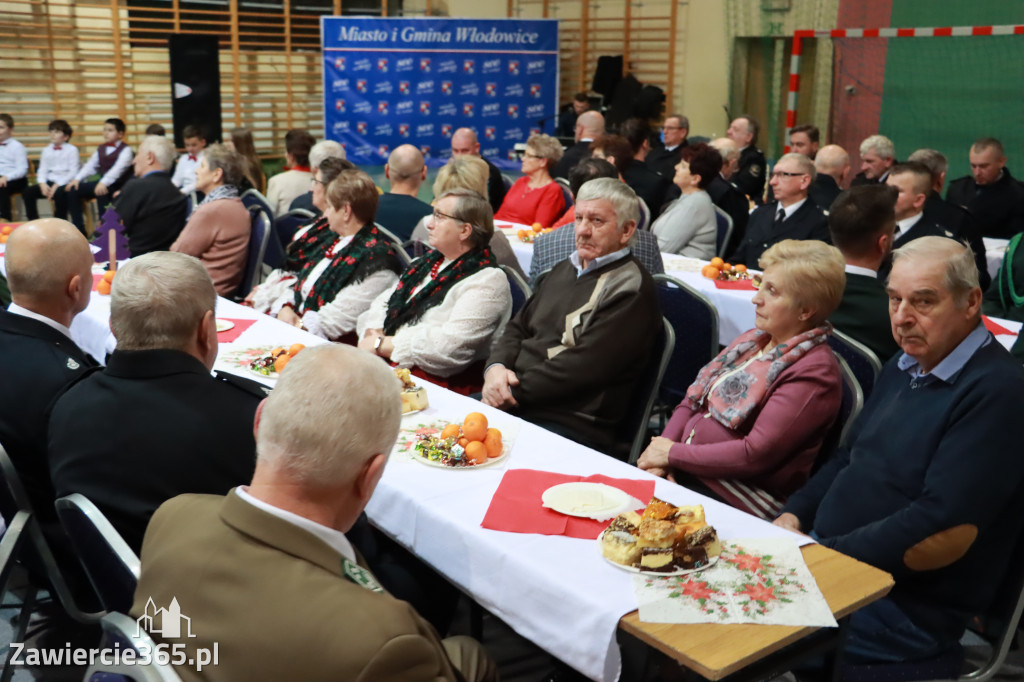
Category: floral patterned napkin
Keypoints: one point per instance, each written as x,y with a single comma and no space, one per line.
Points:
762,581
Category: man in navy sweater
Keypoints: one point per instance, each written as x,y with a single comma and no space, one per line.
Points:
930,486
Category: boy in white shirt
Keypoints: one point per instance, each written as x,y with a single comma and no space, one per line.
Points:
13,166
112,160
58,163
185,172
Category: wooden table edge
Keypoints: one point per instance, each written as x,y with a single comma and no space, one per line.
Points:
877,584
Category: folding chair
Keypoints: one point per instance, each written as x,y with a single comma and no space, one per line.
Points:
864,363
258,238
723,221
252,197
399,245
110,564
694,319
287,225
123,633
633,429
645,215
521,291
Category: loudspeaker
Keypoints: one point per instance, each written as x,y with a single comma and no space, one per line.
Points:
195,85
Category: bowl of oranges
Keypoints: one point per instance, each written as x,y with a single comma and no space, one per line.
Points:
471,444
528,235
727,272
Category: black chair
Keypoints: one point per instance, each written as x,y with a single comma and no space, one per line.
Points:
123,633
633,430
399,245
287,225
566,195
259,236
11,546
521,291
695,322
864,363
723,221
852,403
112,566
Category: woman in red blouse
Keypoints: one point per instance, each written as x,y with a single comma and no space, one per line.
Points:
535,197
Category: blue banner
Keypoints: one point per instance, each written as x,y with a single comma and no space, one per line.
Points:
389,82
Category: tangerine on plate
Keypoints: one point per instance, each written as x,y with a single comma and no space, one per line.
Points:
710,271
717,262
521,234
7,229
295,348
278,351
493,442
727,267
463,441
108,276
450,431
3,238
537,227
475,426
280,363
103,287
740,267
477,452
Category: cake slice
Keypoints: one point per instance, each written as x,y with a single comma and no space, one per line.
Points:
414,397
619,541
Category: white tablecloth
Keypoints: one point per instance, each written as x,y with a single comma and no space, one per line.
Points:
523,251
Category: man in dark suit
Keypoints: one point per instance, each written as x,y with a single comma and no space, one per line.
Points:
990,193
750,175
663,160
726,195
913,181
48,266
861,223
792,216
281,542
155,424
832,164
567,118
465,143
151,207
805,139
648,185
589,127
877,156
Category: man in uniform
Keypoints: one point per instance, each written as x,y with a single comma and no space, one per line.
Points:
155,424
804,139
749,176
877,156
267,574
832,164
990,193
663,160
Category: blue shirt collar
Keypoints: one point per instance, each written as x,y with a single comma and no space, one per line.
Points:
598,262
952,363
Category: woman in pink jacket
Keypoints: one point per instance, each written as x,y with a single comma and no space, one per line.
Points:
754,421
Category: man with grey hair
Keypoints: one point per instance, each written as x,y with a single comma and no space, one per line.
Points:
877,156
930,483
568,361
792,216
465,143
749,176
151,207
832,165
325,149
178,429
726,195
663,160
49,270
399,209
281,544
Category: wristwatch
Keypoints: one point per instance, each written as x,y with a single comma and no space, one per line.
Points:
377,344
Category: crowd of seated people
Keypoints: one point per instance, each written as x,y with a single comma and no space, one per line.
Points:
758,428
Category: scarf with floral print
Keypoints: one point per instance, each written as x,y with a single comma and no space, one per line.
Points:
367,253
405,308
742,392
310,247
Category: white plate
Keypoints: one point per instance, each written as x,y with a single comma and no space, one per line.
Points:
273,376
224,325
587,500
634,569
406,414
437,465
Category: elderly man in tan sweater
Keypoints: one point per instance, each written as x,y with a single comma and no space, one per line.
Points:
218,232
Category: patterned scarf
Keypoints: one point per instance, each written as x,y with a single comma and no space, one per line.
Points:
742,393
367,253
310,247
405,308
222,192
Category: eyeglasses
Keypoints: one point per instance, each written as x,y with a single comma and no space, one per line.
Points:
440,216
314,181
671,127
531,155
784,174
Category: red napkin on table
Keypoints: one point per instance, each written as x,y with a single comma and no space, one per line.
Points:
229,335
994,327
741,284
517,508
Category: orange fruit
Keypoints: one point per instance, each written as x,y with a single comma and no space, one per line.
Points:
727,267
710,271
295,348
103,287
277,351
108,276
717,262
7,229
450,431
463,441
3,238
475,426
493,442
280,363
521,234
740,267
477,452
537,227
